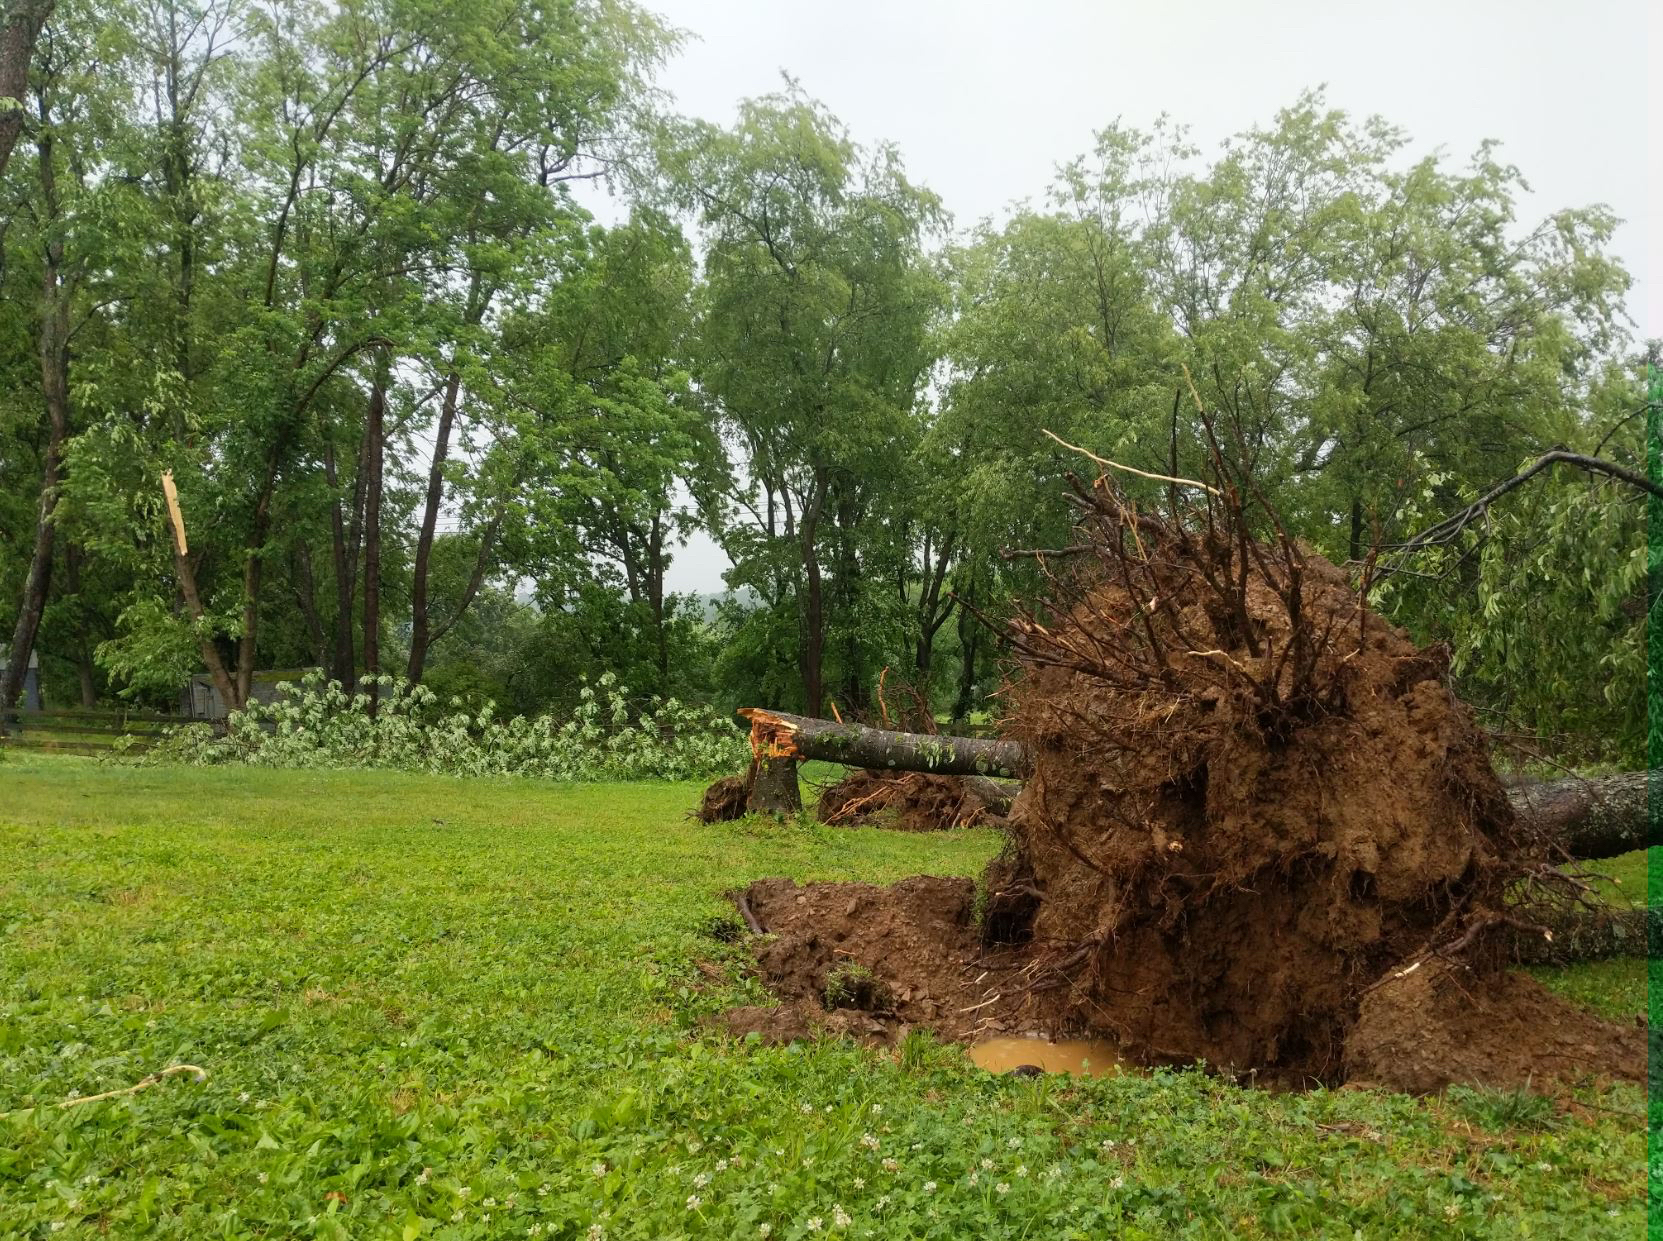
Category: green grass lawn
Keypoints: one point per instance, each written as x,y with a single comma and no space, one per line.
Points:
433,1008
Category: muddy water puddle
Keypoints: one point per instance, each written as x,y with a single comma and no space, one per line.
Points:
1083,1057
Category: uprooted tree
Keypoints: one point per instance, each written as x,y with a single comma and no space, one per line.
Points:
1583,818
1257,827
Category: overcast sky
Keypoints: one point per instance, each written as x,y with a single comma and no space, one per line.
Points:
985,97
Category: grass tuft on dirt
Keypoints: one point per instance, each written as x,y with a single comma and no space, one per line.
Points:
443,1009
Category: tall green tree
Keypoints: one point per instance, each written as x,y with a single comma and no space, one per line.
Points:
814,346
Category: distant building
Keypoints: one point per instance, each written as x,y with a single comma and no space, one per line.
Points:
200,699
30,701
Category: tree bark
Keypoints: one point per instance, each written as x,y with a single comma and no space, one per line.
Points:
344,669
22,24
814,605
84,671
774,787
1595,818
376,436
54,372
880,749
420,629
1590,935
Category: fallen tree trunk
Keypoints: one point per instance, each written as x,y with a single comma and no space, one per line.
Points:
881,750
1592,935
1595,818
1599,817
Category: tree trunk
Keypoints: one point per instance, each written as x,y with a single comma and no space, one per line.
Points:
970,637
774,787
306,595
1590,935
84,671
54,372
344,669
1595,818
814,605
23,20
880,749
253,576
376,435
420,629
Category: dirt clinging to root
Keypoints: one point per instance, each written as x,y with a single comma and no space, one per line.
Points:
909,801
1254,804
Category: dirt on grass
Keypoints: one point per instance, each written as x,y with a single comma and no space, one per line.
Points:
1253,804
908,801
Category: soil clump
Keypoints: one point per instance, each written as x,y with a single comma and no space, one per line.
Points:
908,801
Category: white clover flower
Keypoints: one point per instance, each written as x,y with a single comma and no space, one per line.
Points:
1053,1172
808,1109
693,1202
1002,1188
814,1224
987,1165
881,1203
456,1215
975,1178
860,1182
1014,1143
263,1177
598,1168
1452,1210
764,1230
542,1190
1108,1144
243,1097
840,1217
721,1165
490,1202
917,1146
929,1187
1021,1170
694,1146
701,1180
891,1165
869,1141
828,1109
1544,1167
464,1191
1117,1183
424,1176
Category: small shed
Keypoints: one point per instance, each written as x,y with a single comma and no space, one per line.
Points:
30,699
200,699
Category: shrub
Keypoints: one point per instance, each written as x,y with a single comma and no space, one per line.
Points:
319,724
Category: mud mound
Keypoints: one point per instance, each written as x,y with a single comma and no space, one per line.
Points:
916,941
725,800
912,801
1432,1028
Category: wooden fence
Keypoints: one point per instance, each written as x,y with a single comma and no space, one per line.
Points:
89,730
